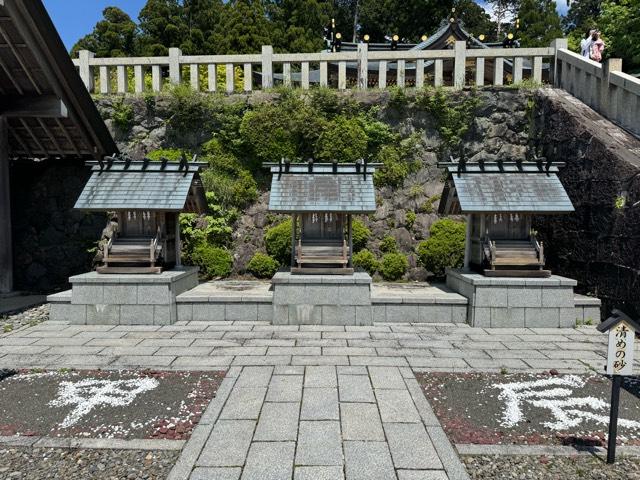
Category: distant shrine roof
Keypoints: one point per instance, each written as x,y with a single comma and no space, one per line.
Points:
322,187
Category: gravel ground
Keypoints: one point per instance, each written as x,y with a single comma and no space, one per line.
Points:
472,410
530,467
49,463
31,316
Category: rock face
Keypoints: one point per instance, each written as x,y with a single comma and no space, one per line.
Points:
599,245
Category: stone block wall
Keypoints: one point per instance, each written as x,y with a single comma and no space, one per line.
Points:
519,302
322,299
97,299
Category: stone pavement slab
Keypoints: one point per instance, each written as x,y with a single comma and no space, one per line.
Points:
368,461
319,443
317,371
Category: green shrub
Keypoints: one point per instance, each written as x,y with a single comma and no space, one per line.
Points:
427,206
399,160
262,266
453,114
410,219
277,240
122,115
393,266
388,245
360,234
367,261
444,247
213,261
171,154
343,140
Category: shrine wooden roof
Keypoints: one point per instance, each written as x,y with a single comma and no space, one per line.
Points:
527,187
49,110
144,185
343,189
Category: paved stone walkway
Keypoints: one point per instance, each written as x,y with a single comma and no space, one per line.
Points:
311,402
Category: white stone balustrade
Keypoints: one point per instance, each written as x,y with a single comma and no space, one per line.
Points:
602,86
295,69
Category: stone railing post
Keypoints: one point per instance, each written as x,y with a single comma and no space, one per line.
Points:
175,72
86,71
607,103
267,67
363,66
459,74
555,71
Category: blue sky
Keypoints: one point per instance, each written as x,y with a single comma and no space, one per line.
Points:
76,18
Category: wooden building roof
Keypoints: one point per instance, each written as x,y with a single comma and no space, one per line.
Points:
144,185
322,187
49,111
504,187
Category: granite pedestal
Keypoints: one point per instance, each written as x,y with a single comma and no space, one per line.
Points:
117,299
520,302
322,299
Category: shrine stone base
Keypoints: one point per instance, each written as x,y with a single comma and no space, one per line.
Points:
118,299
522,302
322,299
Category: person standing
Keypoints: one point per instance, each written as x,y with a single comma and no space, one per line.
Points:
585,44
597,47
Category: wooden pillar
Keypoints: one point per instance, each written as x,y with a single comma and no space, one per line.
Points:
6,252
178,242
349,223
294,227
467,243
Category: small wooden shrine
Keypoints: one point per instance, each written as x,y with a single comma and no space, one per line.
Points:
500,199
322,198
144,200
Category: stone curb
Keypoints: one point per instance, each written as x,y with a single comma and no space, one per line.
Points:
92,443
187,460
448,456
550,450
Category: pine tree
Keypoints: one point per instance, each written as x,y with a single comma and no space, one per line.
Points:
298,24
243,28
409,19
116,35
539,23
162,26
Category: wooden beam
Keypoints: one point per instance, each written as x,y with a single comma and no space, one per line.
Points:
25,147
21,61
38,106
51,136
6,250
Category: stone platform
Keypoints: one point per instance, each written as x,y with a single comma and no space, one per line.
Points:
253,301
322,299
117,299
522,302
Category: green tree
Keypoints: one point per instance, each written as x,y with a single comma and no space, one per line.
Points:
582,15
116,35
298,24
162,26
475,19
539,23
200,18
243,28
409,20
620,25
